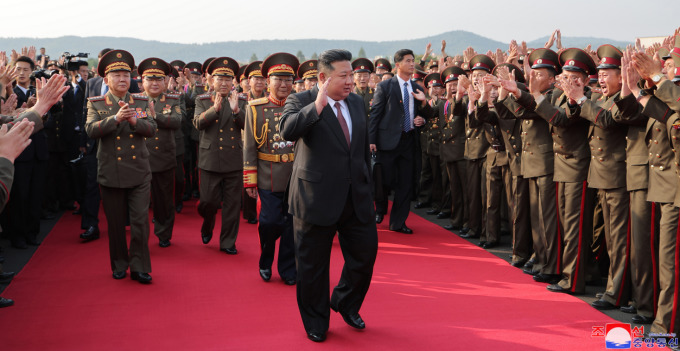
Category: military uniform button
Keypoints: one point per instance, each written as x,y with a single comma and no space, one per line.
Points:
156,138
131,136
232,129
599,149
118,138
220,148
119,158
232,138
656,142
118,148
132,147
220,130
233,147
156,147
658,156
661,168
134,157
601,159
156,129
658,130
221,139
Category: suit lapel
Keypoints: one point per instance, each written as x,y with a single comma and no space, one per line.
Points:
333,123
396,92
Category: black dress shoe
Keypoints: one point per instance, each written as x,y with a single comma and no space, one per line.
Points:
5,302
206,237
289,281
404,229
558,288
164,243
628,309
252,221
490,244
481,243
6,277
442,215
530,271
92,233
316,337
529,263
353,320
452,227
638,319
421,205
179,208
603,305
19,244
464,230
547,278
33,242
143,278
379,218
119,275
518,264
266,274
432,211
230,250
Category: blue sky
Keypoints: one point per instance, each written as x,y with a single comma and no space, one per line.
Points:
213,21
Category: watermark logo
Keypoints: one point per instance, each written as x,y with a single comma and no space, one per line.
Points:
619,336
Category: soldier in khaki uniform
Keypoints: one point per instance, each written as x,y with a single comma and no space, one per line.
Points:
162,145
121,121
253,75
193,71
451,118
362,69
179,138
441,194
267,165
219,119
607,172
538,164
308,71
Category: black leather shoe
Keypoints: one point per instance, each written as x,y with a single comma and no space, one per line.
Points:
530,271
490,244
119,275
603,305
230,250
379,218
452,227
353,320
33,242
206,237
289,281
638,319
432,211
164,243
143,278
547,278
92,233
252,221
421,205
529,263
19,244
5,302
442,215
404,229
179,208
464,230
628,309
518,264
481,243
558,288
6,277
266,274
316,337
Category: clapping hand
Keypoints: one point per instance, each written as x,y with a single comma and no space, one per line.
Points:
218,102
233,101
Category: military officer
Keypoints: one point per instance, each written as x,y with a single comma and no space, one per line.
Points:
267,165
243,84
121,121
382,65
299,84
256,81
441,195
180,149
308,71
219,119
362,69
168,117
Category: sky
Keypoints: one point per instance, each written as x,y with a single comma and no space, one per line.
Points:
207,21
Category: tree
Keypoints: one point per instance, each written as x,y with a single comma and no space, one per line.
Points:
362,53
315,56
300,56
253,57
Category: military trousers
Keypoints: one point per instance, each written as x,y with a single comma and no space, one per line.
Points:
476,191
457,174
644,251
668,310
498,179
163,203
543,204
275,223
221,190
615,207
522,242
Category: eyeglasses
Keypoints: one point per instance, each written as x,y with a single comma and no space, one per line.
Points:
288,81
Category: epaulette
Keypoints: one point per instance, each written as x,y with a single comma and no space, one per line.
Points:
140,97
243,96
204,96
96,98
172,96
199,85
259,101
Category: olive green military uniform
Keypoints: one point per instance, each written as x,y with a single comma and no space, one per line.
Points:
220,163
179,150
451,118
124,175
163,161
441,194
476,147
367,95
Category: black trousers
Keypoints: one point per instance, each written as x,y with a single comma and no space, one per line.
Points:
275,223
23,210
398,174
359,245
179,180
163,203
92,196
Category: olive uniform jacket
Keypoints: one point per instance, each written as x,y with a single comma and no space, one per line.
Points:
162,146
451,119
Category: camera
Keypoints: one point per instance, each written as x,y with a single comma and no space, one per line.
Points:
70,58
43,73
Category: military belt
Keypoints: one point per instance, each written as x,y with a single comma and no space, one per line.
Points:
276,157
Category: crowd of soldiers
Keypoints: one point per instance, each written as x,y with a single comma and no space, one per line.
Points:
575,148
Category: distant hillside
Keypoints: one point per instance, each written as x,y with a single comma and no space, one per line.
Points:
243,51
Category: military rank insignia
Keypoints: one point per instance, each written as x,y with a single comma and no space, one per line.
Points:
167,109
139,113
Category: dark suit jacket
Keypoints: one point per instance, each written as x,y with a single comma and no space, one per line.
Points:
325,168
37,150
387,114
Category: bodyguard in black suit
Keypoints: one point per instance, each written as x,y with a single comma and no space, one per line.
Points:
329,191
396,104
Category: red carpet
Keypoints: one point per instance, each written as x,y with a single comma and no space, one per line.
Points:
431,290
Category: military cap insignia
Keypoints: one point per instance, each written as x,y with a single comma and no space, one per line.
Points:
119,55
154,63
571,63
539,61
311,64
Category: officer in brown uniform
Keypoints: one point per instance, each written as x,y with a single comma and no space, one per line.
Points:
451,118
179,139
162,146
538,163
219,119
121,121
607,172
256,80
308,71
382,65
267,165
362,69
193,72
441,195
661,100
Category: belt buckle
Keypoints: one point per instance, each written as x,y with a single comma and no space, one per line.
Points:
284,158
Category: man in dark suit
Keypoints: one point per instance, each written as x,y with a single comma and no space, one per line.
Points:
396,104
329,191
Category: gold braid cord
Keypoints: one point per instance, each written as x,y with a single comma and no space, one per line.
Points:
263,133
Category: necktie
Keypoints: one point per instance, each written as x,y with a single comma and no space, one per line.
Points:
343,123
407,110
